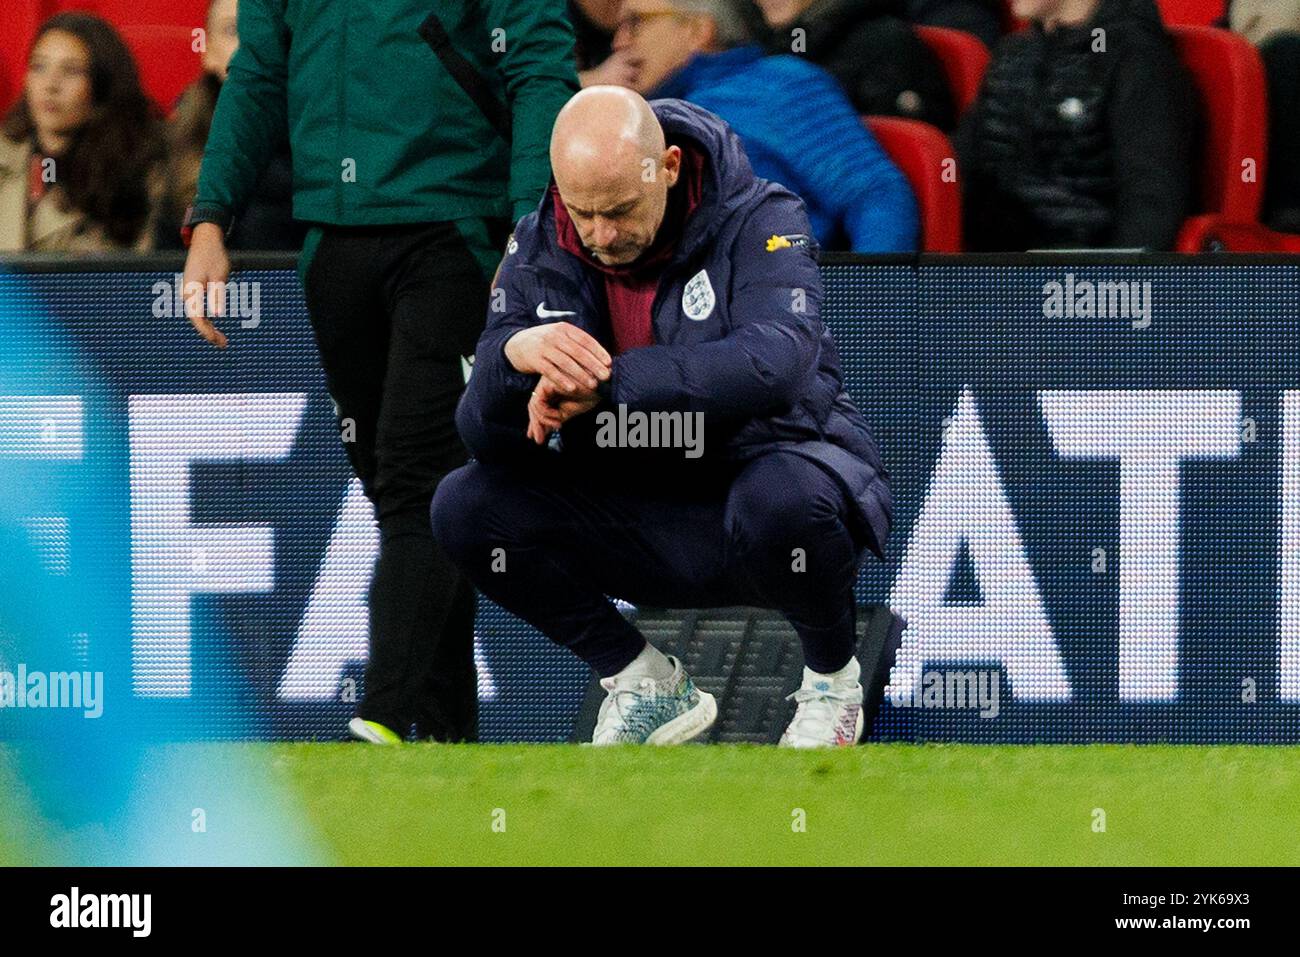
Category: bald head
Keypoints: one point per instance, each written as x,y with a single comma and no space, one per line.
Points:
613,170
603,124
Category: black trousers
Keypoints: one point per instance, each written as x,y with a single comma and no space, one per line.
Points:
550,544
394,309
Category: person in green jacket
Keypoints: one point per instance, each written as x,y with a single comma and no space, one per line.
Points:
419,133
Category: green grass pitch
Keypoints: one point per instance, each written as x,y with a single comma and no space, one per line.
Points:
871,805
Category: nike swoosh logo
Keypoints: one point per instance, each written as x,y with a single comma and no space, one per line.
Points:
544,313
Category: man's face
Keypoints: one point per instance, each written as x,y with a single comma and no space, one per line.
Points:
616,209
658,41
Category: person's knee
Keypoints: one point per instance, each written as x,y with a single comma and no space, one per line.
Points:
788,503
787,537
459,509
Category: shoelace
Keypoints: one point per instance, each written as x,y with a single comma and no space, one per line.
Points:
643,687
815,706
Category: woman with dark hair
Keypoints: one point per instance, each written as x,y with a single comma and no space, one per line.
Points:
81,153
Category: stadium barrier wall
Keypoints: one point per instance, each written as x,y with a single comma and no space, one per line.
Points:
1096,464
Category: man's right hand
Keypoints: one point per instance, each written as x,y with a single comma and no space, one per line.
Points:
207,265
617,70
571,358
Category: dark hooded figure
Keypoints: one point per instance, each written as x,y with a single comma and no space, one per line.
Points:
884,67
1082,135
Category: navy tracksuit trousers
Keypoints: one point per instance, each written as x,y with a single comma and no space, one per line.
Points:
550,544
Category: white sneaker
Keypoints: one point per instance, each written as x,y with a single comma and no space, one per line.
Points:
641,710
830,710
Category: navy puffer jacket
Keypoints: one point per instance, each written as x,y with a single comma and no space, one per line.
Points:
737,335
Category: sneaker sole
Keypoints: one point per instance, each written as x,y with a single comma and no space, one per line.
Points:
686,727
360,732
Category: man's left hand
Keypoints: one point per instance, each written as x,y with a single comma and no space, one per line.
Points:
549,408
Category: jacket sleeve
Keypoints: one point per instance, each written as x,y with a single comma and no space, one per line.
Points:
251,120
837,165
875,200
763,363
841,164
1151,118
540,76
492,416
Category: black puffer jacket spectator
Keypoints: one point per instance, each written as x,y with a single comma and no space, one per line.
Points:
980,17
867,45
1081,137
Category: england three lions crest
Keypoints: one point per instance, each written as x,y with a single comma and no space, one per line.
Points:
698,299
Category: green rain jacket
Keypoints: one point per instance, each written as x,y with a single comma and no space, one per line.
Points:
397,111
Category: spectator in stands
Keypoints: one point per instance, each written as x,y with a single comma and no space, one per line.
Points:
267,223
980,17
796,124
82,152
594,23
1275,28
1082,135
1261,20
884,67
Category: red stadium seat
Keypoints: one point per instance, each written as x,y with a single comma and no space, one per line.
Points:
1196,13
1218,234
166,58
1229,76
18,22
121,13
964,58
158,32
925,155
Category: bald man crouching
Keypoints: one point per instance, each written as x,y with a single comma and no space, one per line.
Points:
656,413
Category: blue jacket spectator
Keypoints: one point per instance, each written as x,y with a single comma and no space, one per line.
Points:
795,122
